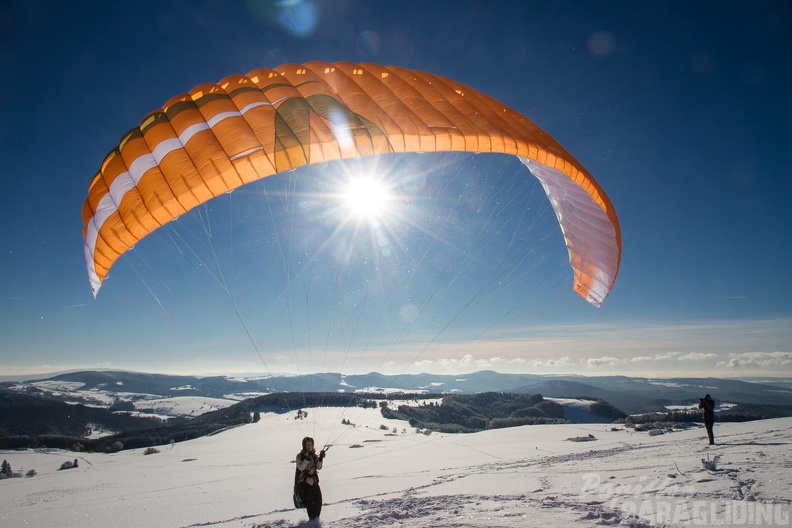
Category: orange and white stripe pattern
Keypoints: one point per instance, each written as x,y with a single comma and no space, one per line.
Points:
220,136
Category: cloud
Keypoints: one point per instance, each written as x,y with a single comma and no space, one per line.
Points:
696,356
468,362
759,360
674,356
610,361
641,359
604,361
565,361
664,357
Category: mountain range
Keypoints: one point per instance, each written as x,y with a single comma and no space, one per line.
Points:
630,394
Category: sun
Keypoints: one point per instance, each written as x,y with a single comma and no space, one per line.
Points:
367,198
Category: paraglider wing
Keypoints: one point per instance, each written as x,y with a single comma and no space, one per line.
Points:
221,136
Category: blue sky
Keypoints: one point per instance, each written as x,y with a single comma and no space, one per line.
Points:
682,113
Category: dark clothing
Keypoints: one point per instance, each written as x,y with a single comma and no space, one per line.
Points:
708,405
311,497
709,423
306,484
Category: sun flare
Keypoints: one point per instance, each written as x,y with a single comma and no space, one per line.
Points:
367,198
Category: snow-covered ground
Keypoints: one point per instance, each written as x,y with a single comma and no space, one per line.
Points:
181,405
373,476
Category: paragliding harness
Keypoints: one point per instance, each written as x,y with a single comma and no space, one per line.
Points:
299,478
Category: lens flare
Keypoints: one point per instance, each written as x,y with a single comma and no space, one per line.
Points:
367,198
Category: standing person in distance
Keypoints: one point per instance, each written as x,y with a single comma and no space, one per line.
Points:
306,485
708,405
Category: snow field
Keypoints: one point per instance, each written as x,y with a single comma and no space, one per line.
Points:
517,477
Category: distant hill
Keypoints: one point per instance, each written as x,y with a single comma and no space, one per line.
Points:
163,385
560,388
466,413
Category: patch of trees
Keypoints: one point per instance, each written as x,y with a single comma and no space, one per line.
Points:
606,410
6,472
122,406
467,413
288,402
28,415
117,442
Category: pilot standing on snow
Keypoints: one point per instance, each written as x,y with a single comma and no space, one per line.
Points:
708,405
306,485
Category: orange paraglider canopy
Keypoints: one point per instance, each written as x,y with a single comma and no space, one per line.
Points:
244,128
